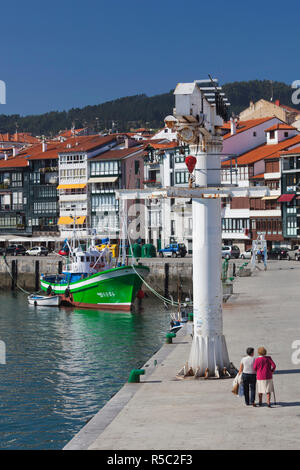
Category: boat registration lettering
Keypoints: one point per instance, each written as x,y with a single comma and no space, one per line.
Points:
106,294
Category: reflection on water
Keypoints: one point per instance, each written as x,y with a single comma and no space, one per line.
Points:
63,365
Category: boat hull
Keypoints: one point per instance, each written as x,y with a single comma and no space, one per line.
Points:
47,301
112,290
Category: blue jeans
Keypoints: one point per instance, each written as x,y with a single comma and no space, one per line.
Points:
249,381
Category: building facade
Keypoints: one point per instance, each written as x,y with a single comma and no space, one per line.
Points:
74,200
290,198
246,218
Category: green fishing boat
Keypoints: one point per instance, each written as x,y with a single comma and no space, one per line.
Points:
89,281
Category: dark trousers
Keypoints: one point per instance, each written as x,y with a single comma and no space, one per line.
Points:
249,382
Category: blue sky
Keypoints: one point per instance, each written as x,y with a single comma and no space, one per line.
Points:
62,54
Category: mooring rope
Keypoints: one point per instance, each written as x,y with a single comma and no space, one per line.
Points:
154,292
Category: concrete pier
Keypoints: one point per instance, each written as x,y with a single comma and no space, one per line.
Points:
163,412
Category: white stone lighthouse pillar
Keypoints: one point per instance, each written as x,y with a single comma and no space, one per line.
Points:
208,356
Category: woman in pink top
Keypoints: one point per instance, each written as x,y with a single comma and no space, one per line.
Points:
264,367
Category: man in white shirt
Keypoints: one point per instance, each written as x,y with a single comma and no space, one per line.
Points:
248,376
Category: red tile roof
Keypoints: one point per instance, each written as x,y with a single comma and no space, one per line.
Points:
118,154
14,162
291,152
70,132
244,125
265,151
21,137
256,177
154,141
86,143
169,145
35,152
281,127
142,129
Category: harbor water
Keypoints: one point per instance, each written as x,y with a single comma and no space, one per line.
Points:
64,364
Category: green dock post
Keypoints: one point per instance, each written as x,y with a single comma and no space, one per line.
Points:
134,376
169,337
225,270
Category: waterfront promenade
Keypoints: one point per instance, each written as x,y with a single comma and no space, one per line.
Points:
166,413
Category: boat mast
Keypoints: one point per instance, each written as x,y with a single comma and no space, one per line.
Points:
124,230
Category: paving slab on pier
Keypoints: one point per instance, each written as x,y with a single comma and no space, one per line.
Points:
165,413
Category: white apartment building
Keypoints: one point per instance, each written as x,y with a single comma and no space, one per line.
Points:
167,220
73,178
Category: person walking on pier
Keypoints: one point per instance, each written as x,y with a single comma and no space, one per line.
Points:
264,367
248,376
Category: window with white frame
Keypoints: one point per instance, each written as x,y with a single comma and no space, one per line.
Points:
16,179
44,207
181,177
104,201
291,226
105,168
72,159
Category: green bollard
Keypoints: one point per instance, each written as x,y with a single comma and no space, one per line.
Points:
190,316
169,337
134,376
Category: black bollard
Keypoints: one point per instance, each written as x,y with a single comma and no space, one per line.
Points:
166,280
59,267
14,273
233,270
37,275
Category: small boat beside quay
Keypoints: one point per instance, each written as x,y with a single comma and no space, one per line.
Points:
179,318
44,301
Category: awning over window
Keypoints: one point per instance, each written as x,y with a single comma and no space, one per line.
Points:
286,198
269,198
70,221
72,186
103,179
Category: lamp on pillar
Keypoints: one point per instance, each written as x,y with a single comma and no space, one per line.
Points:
198,117
190,162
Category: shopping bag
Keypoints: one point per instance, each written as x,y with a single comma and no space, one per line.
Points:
241,390
235,385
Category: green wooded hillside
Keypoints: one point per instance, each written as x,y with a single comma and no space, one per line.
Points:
139,110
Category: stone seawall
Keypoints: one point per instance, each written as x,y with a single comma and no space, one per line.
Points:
164,277
25,271
168,277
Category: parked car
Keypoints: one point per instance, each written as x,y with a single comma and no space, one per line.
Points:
37,251
294,253
246,254
174,250
278,253
15,250
231,251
